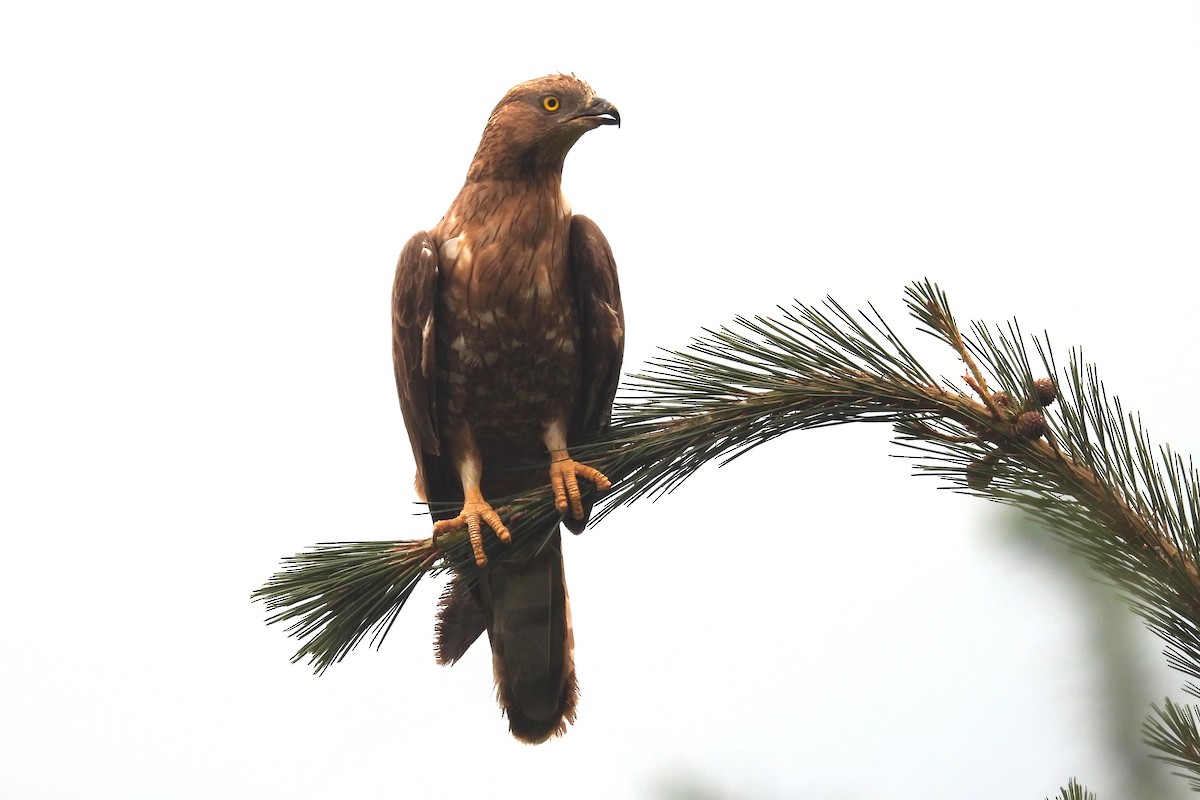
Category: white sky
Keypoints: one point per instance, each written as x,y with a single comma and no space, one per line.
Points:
202,207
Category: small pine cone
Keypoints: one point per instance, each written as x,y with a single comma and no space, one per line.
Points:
1030,425
1047,390
979,475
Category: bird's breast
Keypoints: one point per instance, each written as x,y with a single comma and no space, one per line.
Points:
504,256
508,326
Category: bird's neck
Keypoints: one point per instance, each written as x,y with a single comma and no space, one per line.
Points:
539,182
529,204
502,156
527,168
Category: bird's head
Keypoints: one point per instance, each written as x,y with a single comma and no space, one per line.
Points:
534,126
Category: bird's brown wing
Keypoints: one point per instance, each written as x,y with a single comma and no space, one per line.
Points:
602,336
602,326
414,355
414,337
414,298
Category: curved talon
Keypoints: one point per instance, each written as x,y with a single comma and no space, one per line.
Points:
475,513
564,480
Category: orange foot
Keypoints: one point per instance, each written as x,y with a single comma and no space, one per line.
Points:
475,512
564,480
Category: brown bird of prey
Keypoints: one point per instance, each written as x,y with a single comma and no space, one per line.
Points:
507,341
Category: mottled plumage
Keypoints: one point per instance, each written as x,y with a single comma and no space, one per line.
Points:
507,341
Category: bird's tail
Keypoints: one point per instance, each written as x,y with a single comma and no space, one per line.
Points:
529,623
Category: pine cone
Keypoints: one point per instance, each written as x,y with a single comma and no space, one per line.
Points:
1030,425
979,474
1047,390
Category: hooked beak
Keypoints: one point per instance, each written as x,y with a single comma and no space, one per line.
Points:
601,112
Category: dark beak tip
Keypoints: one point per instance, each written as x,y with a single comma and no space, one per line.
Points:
606,112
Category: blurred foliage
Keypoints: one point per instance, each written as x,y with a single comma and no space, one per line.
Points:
1073,791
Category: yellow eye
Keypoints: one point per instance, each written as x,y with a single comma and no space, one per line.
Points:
550,103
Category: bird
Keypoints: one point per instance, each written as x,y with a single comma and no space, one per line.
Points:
508,335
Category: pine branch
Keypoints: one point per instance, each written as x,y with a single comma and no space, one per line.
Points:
1083,465
337,593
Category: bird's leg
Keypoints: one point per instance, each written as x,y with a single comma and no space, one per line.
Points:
565,473
476,512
